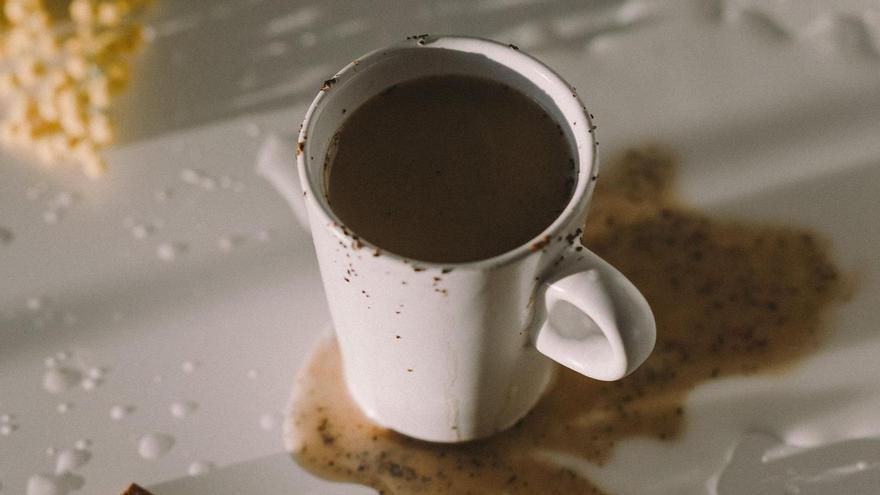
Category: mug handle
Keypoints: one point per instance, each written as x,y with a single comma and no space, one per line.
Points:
597,322
276,162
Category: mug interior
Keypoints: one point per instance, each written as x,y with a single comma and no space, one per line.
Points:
367,77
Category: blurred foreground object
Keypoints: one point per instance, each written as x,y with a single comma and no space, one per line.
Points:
59,74
135,490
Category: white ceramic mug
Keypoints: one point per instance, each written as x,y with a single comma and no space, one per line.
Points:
451,352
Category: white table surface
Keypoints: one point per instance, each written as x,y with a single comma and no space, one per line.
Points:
774,109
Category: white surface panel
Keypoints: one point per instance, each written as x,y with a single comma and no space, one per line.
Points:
773,107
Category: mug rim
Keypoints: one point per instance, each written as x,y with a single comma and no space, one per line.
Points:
585,154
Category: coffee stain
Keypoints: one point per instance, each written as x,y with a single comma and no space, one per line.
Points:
729,298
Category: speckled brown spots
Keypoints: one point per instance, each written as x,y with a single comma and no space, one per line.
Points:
300,146
328,84
421,39
571,237
752,300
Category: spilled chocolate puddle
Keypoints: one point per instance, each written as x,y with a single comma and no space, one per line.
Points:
729,298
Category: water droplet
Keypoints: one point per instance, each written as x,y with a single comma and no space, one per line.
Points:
57,380
82,443
227,243
35,303
633,11
141,231
253,374
89,384
252,129
155,445
189,366
182,409
64,407
191,176
148,34
199,468
268,422
34,192
44,484
169,251
71,460
50,362
62,355
51,217
6,418
95,373
7,429
117,413
50,451
63,199
49,484
163,195
265,235
208,183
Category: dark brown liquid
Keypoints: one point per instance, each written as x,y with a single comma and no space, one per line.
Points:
729,298
449,168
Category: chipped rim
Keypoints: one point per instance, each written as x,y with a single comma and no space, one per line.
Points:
564,96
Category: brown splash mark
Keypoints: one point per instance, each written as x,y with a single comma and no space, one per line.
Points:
540,244
729,299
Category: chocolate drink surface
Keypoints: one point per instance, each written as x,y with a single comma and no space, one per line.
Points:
449,169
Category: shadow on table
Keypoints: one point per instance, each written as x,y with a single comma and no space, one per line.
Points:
216,60
271,474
